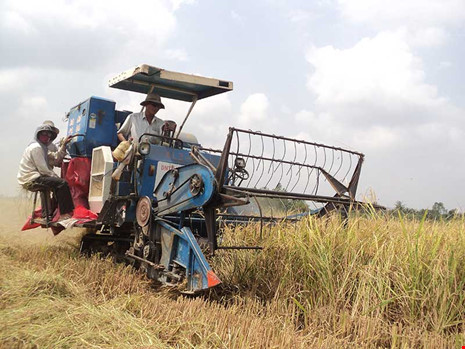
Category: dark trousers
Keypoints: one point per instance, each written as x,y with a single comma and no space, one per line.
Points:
60,190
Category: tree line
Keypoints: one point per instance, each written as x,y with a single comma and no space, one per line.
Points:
438,211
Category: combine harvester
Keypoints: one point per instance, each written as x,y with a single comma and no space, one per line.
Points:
169,197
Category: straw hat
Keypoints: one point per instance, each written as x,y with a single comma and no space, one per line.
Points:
153,98
52,125
47,128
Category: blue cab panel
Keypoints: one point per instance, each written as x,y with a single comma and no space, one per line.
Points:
160,160
121,115
94,121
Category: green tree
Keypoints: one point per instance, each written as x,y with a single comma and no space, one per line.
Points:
291,205
399,206
438,210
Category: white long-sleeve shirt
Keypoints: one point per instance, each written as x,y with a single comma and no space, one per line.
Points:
33,164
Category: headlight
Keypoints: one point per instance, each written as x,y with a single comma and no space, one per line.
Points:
144,148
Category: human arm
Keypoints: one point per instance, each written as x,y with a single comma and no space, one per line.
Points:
125,130
55,158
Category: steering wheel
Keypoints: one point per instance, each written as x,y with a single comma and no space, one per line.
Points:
242,174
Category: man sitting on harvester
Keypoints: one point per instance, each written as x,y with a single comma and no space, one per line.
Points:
36,168
136,124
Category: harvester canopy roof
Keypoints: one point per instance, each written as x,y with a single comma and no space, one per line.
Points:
184,87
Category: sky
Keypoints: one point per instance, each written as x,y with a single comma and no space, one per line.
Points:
382,78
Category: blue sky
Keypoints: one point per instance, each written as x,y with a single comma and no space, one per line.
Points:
383,78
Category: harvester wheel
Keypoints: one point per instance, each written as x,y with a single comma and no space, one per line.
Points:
143,211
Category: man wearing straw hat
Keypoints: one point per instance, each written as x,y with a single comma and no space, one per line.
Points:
136,124
35,168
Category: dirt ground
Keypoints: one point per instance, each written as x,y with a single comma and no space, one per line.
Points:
13,215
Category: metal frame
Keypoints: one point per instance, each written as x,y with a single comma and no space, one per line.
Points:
344,194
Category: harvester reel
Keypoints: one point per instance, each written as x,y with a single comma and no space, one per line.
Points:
143,211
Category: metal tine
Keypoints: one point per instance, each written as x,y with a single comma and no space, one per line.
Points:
293,140
300,167
315,187
238,147
253,171
308,176
271,163
253,160
332,161
261,155
340,164
262,162
281,164
238,143
295,156
314,164
308,179
324,161
348,170
231,161
290,166
290,177
248,154
272,156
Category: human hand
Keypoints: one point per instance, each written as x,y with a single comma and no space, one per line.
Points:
169,125
67,139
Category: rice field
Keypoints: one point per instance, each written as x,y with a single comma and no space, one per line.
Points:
377,282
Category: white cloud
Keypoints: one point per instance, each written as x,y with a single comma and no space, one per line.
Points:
32,109
12,80
208,121
237,17
445,65
305,116
374,96
299,15
143,16
285,109
13,20
85,34
56,53
428,37
177,54
379,72
177,3
395,12
426,22
253,110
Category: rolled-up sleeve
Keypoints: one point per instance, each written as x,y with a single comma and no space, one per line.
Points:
125,128
56,158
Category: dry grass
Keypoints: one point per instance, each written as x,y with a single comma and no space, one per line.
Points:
378,282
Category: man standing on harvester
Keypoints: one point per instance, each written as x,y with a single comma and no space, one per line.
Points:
136,124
